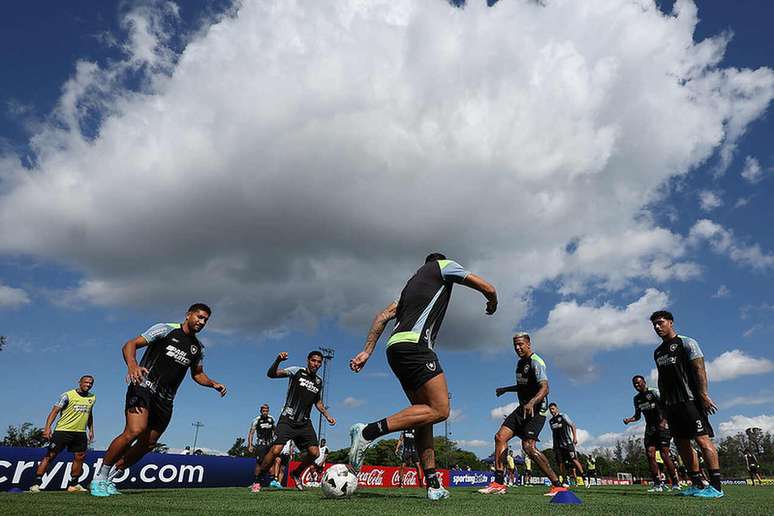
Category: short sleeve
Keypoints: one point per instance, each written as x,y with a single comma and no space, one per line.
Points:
61,402
539,366
692,348
452,271
255,423
567,419
157,331
291,370
198,359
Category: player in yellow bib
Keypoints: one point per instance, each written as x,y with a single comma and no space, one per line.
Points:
75,416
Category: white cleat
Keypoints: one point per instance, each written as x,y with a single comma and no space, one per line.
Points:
358,446
437,494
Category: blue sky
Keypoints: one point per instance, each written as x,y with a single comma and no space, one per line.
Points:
291,165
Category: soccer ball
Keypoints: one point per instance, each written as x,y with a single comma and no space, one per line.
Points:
338,482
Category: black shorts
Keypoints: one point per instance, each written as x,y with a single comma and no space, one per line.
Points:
654,436
414,365
261,450
410,455
75,442
565,454
522,428
592,473
159,409
753,469
301,433
687,420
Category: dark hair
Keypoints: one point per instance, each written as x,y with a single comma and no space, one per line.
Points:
552,404
313,353
434,257
637,376
661,314
87,376
199,306
265,406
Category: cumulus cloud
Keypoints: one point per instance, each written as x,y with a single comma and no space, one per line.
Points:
738,424
723,291
474,443
501,412
352,402
587,441
752,171
572,342
13,297
731,364
760,398
709,200
723,241
298,159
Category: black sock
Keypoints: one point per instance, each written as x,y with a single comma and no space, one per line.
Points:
431,478
74,481
499,476
695,477
656,480
714,479
257,478
375,430
38,480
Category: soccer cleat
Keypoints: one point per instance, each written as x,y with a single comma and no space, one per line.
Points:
274,484
77,488
676,487
358,446
99,488
588,485
35,489
689,491
297,480
112,489
657,489
256,487
494,488
437,494
709,492
555,490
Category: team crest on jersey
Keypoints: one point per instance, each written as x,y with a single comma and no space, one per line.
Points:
673,346
526,369
430,366
194,349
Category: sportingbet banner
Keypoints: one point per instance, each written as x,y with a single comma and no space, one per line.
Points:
372,476
17,470
462,478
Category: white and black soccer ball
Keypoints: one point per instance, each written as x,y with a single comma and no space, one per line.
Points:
338,482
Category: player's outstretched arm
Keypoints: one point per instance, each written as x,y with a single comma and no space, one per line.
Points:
200,377
135,373
702,384
635,417
502,390
274,371
487,289
321,407
377,328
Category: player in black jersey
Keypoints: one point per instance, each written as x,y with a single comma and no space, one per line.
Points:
657,437
304,390
172,351
263,429
682,383
752,466
406,449
565,438
418,313
528,418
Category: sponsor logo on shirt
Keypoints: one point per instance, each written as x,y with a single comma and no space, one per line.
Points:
308,384
179,356
665,360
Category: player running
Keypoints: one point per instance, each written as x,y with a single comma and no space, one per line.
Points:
682,383
751,461
304,390
172,350
565,438
263,428
657,437
419,313
406,449
527,420
74,408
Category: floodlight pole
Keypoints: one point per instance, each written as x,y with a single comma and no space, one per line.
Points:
198,425
327,354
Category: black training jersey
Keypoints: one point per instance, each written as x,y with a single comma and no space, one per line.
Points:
423,302
750,459
263,426
530,373
676,378
170,354
648,404
561,427
303,392
408,438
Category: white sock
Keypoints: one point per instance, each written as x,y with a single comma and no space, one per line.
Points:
103,472
114,472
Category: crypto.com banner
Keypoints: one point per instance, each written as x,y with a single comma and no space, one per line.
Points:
17,470
372,476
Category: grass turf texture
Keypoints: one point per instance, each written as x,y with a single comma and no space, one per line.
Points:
379,502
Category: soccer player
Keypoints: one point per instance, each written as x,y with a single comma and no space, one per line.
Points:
74,408
591,470
419,313
406,448
682,383
657,437
752,466
527,478
263,428
565,438
304,390
319,462
527,420
171,350
510,468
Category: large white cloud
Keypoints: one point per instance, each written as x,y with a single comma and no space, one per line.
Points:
298,159
11,297
738,424
723,241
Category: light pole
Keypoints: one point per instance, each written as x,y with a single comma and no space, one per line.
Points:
327,354
198,425
446,433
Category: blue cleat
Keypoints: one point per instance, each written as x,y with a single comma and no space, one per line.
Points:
99,488
112,489
437,494
709,492
689,491
275,485
358,446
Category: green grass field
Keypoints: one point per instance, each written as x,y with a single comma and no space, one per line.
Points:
380,502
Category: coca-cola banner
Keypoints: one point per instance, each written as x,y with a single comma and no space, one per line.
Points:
372,476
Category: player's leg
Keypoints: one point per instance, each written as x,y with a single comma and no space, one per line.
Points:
145,443
670,466
400,473
650,453
530,448
710,454
53,450
269,463
420,472
691,461
137,418
312,452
